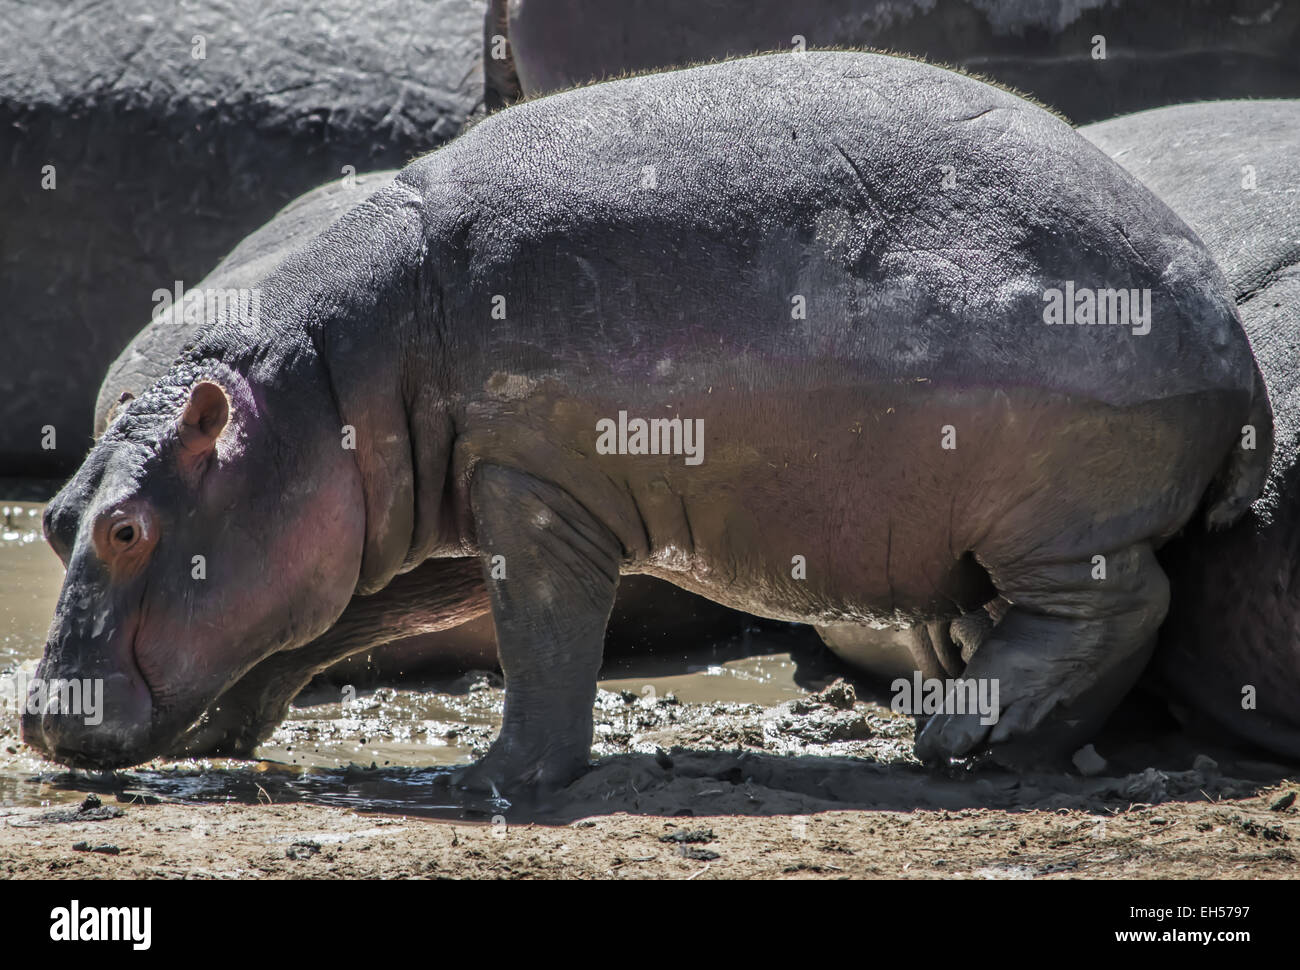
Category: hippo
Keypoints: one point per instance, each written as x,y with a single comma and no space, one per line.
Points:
808,335
1229,653
143,140
399,632
1087,60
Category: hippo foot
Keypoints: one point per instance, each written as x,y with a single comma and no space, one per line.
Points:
248,713
1054,668
216,739
502,773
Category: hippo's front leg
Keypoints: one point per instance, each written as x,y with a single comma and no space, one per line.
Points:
438,595
249,712
552,572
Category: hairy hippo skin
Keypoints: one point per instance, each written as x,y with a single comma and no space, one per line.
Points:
765,246
1232,171
163,160
1158,52
433,620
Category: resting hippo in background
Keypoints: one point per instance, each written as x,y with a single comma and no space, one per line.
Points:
1156,53
143,139
406,628
767,247
1232,171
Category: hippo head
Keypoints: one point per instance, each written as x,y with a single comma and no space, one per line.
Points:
211,525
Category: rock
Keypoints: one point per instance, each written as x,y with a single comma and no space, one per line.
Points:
1256,830
303,849
839,695
105,849
1150,787
693,836
1088,761
1283,802
701,855
90,810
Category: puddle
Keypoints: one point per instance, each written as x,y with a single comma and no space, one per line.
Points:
30,576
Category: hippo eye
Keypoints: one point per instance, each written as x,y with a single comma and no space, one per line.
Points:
126,533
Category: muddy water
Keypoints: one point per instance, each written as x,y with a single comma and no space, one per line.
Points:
30,575
373,748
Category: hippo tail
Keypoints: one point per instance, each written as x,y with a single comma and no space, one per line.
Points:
1241,478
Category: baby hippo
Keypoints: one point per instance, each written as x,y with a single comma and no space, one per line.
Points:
830,337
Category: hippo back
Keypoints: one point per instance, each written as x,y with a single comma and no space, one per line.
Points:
929,212
153,349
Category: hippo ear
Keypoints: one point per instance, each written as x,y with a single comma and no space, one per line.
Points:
204,418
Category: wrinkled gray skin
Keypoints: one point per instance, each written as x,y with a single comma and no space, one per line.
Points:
647,256
434,619
1157,53
164,160
152,351
1234,617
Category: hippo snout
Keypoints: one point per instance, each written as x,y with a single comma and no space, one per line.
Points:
89,722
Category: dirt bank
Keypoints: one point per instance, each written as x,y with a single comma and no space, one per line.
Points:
819,786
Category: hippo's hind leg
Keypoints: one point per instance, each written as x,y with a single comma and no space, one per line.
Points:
1073,642
552,572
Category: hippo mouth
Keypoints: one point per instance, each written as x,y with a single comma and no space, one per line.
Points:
123,731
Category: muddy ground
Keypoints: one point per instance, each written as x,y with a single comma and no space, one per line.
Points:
821,785
741,758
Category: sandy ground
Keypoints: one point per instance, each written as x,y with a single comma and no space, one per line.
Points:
822,786
1237,839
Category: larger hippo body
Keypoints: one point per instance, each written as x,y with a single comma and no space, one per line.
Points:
1089,60
1229,652
882,423
143,140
